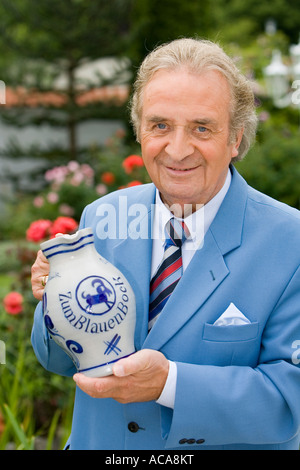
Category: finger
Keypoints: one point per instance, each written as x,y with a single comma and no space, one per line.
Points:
82,381
132,364
87,384
38,294
39,273
95,387
41,262
38,288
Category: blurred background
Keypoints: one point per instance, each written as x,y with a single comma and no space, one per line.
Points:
66,71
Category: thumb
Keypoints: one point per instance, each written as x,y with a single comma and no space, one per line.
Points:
129,365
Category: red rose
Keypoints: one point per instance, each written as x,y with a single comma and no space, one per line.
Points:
108,177
13,303
132,162
63,225
133,183
38,230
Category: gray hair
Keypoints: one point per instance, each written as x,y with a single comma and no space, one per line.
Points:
199,56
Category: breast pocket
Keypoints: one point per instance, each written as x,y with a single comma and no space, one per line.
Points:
231,345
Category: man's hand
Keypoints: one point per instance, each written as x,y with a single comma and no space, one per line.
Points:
39,273
137,378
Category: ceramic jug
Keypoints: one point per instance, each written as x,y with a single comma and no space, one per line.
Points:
89,306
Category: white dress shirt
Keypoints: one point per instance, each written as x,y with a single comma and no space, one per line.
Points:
198,223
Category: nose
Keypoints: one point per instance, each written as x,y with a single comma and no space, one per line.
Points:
179,145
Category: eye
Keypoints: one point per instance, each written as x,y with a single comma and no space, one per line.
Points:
161,126
201,132
201,129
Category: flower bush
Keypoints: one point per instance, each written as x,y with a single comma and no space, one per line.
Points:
63,225
38,230
42,229
70,188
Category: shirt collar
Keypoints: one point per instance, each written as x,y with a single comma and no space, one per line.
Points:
198,222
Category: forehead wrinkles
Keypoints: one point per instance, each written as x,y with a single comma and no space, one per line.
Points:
168,90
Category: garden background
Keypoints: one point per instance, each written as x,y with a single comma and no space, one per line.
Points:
68,68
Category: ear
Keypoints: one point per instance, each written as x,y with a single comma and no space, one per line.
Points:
237,143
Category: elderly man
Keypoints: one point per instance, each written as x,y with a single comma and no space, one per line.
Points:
216,365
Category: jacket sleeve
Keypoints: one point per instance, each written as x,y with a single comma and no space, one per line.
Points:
48,353
243,404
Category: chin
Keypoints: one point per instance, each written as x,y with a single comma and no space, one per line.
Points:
179,198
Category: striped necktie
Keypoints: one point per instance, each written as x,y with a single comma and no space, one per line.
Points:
169,271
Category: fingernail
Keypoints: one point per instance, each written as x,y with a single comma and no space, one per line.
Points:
118,370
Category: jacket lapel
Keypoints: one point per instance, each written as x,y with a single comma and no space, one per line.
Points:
133,257
205,272
207,268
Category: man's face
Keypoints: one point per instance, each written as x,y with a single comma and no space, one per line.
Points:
185,135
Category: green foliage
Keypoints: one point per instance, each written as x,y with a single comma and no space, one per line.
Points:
26,443
29,395
57,30
243,21
155,22
273,165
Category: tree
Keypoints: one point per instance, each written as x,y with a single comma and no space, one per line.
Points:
155,22
42,40
239,21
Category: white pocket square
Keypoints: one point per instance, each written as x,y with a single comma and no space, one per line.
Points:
232,316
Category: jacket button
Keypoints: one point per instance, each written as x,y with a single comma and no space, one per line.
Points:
182,441
133,427
191,441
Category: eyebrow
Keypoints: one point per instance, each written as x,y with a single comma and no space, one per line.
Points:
206,121
201,121
156,119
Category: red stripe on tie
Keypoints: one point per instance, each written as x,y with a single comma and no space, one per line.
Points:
167,272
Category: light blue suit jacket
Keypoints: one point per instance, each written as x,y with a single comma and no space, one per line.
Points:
238,387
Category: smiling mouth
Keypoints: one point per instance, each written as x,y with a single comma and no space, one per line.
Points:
181,169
